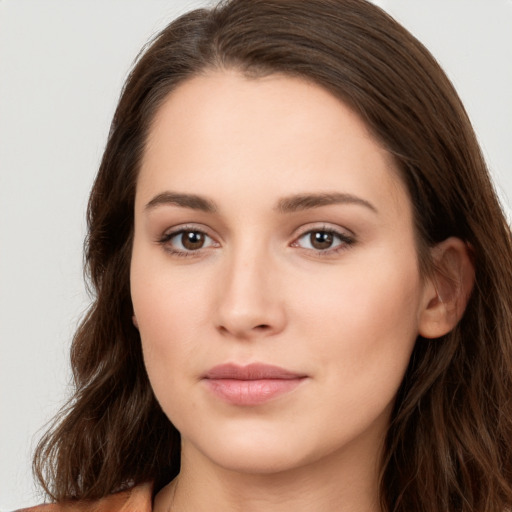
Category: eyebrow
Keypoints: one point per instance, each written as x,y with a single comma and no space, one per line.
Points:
301,202
289,204
192,201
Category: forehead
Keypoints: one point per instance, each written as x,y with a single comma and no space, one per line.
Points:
222,131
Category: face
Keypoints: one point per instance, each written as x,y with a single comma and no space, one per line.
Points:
274,274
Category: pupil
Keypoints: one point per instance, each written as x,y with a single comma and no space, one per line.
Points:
321,240
192,240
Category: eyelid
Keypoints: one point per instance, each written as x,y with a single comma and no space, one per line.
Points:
346,237
325,226
170,233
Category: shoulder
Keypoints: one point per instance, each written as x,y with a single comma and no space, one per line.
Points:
137,499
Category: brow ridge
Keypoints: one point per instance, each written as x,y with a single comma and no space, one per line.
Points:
301,202
291,204
192,201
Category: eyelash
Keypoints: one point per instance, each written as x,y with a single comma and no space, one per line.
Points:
345,241
167,237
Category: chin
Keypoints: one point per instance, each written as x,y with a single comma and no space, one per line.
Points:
255,449
256,459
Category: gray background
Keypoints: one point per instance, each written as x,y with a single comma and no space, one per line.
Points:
62,65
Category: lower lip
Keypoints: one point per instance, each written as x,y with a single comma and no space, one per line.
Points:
251,392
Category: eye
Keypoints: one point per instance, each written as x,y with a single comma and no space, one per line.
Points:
186,241
323,240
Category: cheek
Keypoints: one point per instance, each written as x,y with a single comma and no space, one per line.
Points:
169,331
170,318
364,324
165,297
170,314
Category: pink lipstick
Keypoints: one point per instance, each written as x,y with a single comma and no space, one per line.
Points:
253,384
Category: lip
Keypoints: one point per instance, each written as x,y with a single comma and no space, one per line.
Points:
251,384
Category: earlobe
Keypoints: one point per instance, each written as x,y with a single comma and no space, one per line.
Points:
135,323
448,290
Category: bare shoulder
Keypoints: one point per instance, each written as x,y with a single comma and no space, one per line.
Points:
137,499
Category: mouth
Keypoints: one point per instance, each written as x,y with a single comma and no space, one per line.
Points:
253,384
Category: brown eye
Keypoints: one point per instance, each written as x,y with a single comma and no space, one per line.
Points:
324,241
192,240
321,240
186,241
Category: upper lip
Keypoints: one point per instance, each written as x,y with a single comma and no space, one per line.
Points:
254,371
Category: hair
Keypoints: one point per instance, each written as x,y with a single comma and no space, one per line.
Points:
449,442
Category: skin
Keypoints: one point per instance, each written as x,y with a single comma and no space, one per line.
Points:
259,290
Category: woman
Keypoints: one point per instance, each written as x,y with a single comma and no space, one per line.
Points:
303,280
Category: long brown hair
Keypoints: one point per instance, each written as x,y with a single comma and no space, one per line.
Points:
449,445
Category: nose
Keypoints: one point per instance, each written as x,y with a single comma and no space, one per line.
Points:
251,300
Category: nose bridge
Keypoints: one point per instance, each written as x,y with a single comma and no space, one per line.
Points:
249,300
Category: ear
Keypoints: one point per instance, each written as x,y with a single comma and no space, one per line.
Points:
135,323
447,291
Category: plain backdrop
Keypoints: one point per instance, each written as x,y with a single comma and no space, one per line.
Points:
62,65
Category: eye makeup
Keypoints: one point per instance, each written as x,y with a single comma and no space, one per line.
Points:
190,240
